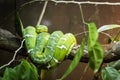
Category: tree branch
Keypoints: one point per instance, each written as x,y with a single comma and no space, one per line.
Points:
111,53
10,43
87,2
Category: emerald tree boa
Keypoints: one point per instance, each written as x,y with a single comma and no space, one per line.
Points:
45,48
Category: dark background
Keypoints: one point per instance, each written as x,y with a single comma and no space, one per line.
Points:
65,17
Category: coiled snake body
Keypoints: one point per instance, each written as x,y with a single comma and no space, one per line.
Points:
45,48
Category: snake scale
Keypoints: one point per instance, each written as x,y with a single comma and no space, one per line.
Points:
45,48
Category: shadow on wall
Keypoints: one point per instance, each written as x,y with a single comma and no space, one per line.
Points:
65,17
75,75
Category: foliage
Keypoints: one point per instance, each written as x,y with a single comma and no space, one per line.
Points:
94,48
108,27
28,71
110,73
23,71
18,25
115,64
75,61
95,52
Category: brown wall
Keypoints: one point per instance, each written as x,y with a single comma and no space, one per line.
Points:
65,17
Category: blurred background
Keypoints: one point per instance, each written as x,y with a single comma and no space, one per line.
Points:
65,17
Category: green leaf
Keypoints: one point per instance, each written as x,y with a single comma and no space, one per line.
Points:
75,61
115,64
24,71
110,73
1,78
108,27
10,74
96,55
93,35
94,48
18,25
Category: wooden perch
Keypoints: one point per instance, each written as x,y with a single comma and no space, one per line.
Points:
10,42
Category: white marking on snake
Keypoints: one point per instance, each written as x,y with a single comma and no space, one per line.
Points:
64,39
50,56
50,48
45,57
52,38
48,66
44,60
69,34
62,47
55,60
30,50
54,43
39,38
30,35
46,38
57,35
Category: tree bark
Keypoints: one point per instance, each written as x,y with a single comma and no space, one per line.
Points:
10,42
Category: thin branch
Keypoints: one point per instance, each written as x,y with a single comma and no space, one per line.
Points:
13,56
74,2
108,35
29,2
81,11
42,13
83,20
88,2
77,2
117,36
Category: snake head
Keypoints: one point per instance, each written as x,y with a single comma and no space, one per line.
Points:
41,28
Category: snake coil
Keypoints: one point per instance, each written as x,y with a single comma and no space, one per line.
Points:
45,48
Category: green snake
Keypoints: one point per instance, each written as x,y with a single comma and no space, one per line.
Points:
45,48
